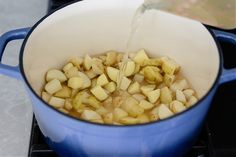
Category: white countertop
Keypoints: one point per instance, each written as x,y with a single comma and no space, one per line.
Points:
16,111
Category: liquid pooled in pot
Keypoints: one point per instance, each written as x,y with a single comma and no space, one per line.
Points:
149,90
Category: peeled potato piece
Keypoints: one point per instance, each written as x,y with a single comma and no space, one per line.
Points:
90,115
131,106
79,99
179,85
63,110
125,82
139,97
86,80
102,110
93,82
112,73
177,106
145,104
102,80
188,93
99,93
166,96
152,62
90,74
192,100
100,121
139,78
140,57
143,118
97,67
57,102
152,74
147,88
65,92
75,82
180,96
169,66
154,95
111,58
129,120
153,115
53,86
88,62
55,74
67,67
72,72
169,79
46,96
117,101
134,88
164,112
129,68
68,104
76,61
119,113
108,104
92,101
108,118
110,87
136,69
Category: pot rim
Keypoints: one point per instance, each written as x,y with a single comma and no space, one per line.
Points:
21,67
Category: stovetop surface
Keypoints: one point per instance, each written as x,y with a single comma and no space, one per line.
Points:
218,137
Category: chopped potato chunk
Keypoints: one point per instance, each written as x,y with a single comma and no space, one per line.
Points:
164,112
65,92
165,95
110,87
67,67
88,62
55,74
129,68
57,102
75,82
90,115
119,113
102,80
134,88
112,73
111,58
154,95
125,82
53,86
129,120
99,93
145,104
46,96
148,88
140,57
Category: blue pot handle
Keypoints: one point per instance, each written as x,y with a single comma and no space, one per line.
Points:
12,71
227,75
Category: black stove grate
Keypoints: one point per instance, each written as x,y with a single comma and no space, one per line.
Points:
38,147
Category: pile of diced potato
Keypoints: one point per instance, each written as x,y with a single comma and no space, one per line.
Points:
103,89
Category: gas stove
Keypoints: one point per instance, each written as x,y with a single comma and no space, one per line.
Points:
217,138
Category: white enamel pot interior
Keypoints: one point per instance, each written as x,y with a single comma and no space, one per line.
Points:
93,27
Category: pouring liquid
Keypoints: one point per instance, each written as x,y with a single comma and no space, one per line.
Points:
135,23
